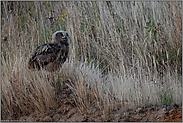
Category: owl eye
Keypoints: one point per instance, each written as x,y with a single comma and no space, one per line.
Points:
61,35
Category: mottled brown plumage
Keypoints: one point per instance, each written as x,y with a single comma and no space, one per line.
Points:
51,56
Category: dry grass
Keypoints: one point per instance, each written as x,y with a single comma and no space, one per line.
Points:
111,57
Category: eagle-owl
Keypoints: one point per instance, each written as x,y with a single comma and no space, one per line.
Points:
51,56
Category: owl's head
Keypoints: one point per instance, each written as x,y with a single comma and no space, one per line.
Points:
60,37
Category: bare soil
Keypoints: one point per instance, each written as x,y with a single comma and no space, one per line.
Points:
67,111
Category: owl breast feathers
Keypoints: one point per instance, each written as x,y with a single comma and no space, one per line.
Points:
51,56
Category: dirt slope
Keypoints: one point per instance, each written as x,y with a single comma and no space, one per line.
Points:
67,111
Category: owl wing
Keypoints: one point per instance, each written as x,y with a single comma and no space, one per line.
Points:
45,54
